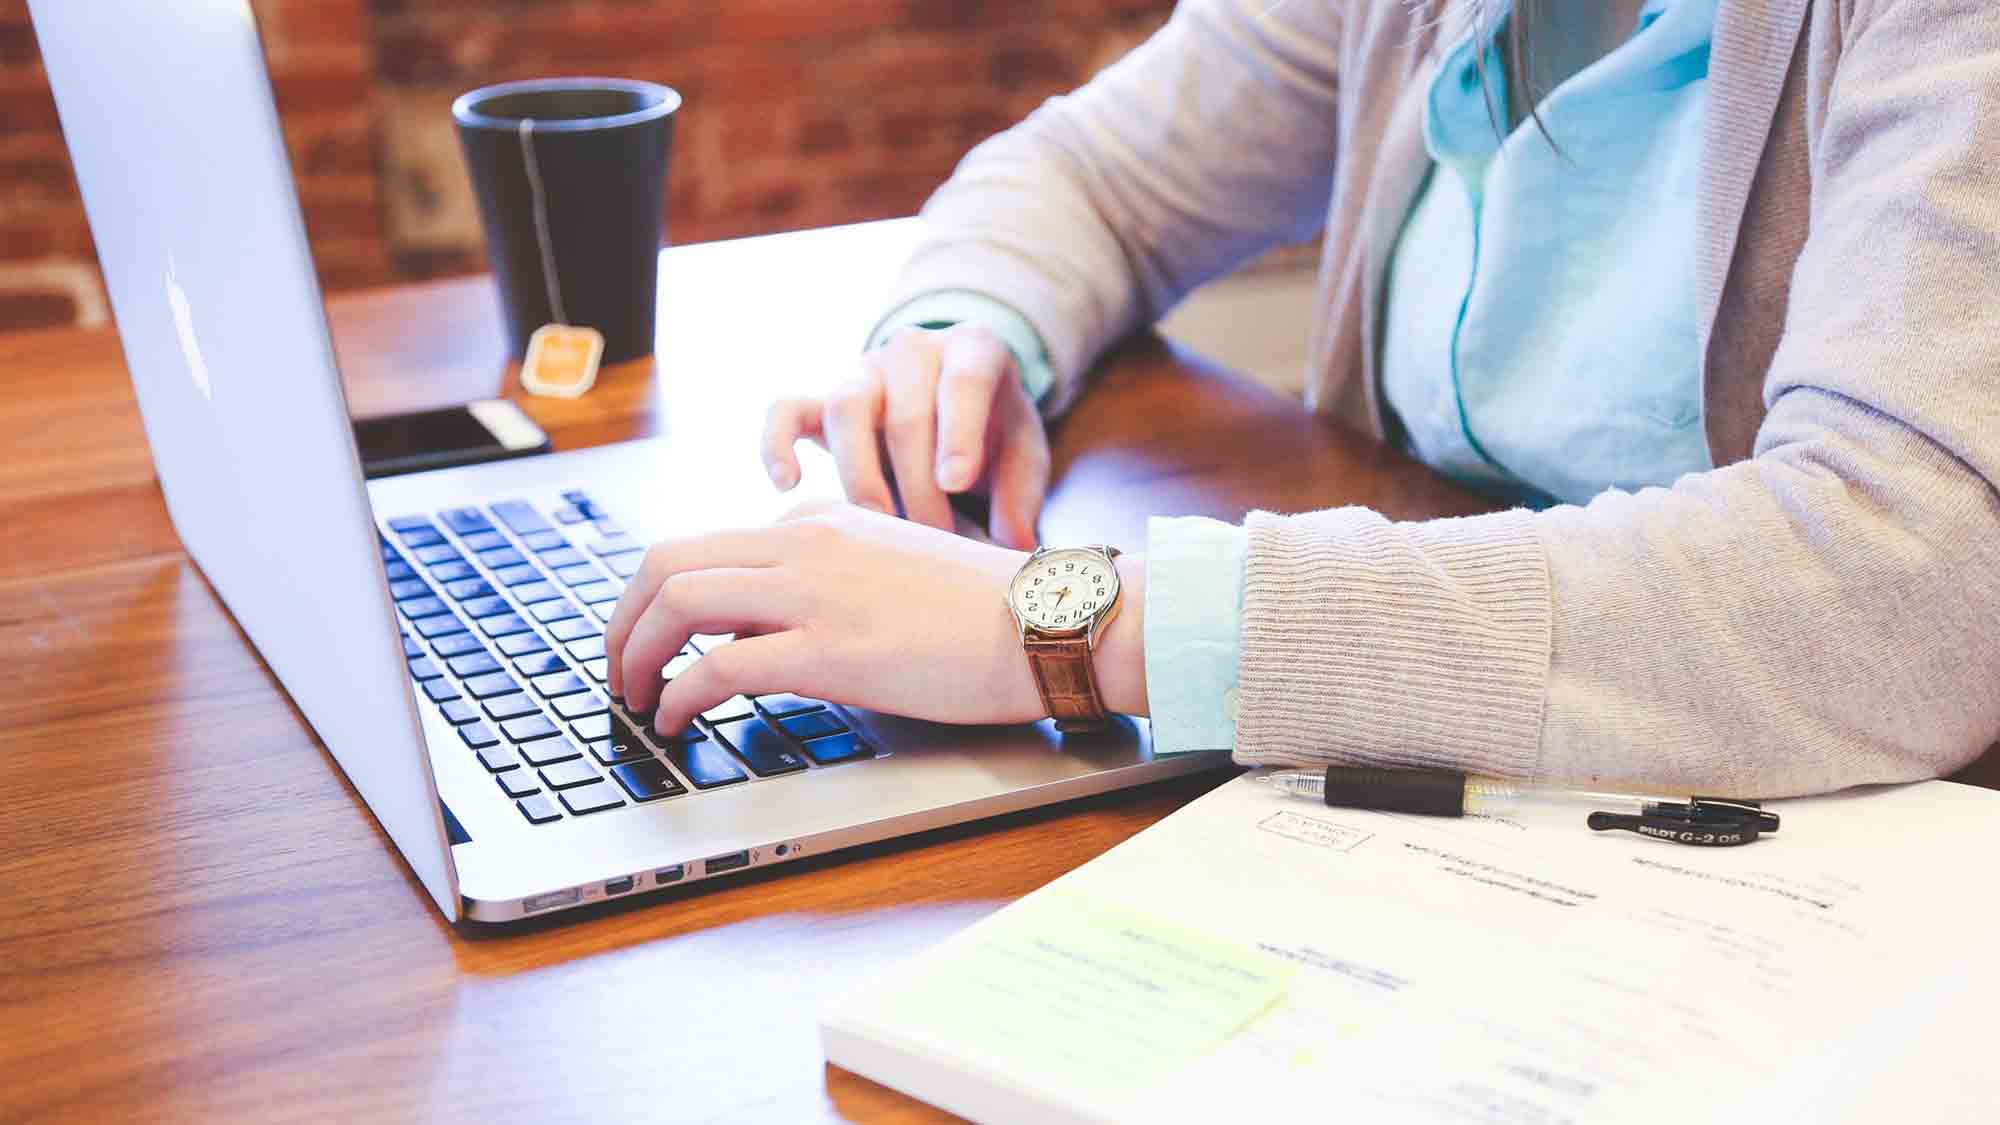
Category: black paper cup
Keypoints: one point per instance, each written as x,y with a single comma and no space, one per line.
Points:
571,175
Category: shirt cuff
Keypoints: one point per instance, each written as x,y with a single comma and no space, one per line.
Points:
1194,620
946,307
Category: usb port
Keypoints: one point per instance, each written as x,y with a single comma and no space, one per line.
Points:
617,886
716,865
667,875
536,903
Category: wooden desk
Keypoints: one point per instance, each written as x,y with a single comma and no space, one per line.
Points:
198,919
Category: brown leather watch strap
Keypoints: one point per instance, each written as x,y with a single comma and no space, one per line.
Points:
1067,680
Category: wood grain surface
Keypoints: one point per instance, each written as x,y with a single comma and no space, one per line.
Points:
200,921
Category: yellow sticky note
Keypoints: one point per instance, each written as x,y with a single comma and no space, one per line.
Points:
1064,987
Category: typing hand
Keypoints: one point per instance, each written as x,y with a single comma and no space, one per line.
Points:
850,606
949,408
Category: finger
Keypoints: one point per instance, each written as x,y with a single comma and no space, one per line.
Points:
974,365
851,423
789,420
696,601
751,547
746,666
1019,481
909,429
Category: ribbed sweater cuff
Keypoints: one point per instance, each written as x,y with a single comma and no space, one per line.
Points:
1394,644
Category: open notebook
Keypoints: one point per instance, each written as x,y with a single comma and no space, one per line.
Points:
1254,954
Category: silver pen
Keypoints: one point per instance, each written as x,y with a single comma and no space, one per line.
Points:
1697,821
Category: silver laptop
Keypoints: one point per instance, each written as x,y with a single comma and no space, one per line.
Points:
442,631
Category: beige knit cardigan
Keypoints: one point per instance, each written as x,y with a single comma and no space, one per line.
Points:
1821,610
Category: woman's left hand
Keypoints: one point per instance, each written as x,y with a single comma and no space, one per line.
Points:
850,606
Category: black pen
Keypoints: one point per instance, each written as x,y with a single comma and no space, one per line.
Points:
1697,821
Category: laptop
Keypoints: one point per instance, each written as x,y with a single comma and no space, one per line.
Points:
443,631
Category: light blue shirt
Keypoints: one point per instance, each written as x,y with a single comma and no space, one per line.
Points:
1539,342
1540,338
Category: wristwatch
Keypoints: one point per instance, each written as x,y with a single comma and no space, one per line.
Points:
1063,597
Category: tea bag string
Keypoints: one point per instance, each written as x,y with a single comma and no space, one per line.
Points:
540,207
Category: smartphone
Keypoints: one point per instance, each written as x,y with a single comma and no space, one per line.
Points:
436,439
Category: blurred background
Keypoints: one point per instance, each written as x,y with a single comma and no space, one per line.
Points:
799,113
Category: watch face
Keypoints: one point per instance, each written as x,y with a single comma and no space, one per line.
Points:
1064,590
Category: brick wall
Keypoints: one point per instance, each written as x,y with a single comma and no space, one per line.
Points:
799,113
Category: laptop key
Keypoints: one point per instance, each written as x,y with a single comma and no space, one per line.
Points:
424,536
441,690
416,608
569,775
735,707
521,644
422,669
599,670
540,541
562,556
627,565
479,608
538,809
647,780
458,712
438,553
409,588
846,747
592,728
764,750
411,647
623,746
549,751
469,588
477,735
577,706
811,725
453,571
595,797
579,574
520,517
570,514
465,521
504,626
592,593
501,557
528,728
705,764
604,610
605,546
539,664
511,706
438,626
589,648
785,703
409,523
576,628
485,540
511,576
399,571
518,783
473,664
497,758
549,612
535,592
559,684
490,685
457,644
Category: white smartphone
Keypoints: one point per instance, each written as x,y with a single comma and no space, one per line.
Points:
491,430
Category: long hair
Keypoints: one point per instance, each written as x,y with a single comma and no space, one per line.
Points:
1523,93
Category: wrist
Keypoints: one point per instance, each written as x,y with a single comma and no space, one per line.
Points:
1119,657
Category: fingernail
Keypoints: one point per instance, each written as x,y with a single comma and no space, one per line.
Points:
781,475
955,472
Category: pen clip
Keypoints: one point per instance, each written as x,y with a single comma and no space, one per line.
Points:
1701,822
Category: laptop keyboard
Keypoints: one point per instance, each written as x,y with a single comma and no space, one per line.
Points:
503,611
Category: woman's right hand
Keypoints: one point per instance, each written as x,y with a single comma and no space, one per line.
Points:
946,410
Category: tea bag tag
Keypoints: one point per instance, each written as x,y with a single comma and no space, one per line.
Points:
562,360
